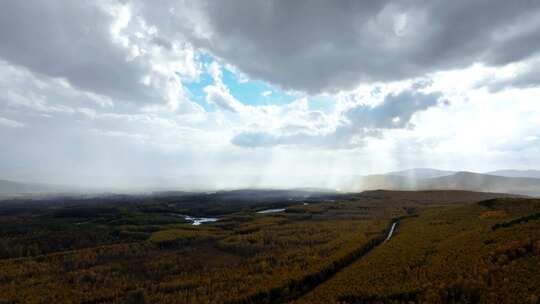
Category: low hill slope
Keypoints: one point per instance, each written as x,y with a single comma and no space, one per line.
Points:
516,173
483,182
458,181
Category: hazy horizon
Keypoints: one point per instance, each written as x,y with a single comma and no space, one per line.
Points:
223,182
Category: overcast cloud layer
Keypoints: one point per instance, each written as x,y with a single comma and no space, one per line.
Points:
322,45
134,93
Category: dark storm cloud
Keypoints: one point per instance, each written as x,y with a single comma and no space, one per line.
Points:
303,45
362,121
322,45
71,40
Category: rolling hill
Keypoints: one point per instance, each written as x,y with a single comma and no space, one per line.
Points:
422,173
484,182
516,173
455,181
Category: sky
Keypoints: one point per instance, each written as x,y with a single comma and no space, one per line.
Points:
247,93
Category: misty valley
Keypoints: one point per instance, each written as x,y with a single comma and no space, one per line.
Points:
271,246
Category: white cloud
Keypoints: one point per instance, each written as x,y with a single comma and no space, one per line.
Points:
10,123
220,96
218,93
106,83
357,122
99,48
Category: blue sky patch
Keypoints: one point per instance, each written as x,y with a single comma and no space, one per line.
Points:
251,92
323,103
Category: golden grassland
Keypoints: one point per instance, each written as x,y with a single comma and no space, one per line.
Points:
180,263
449,247
448,255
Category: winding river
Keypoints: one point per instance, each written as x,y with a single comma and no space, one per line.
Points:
391,232
271,210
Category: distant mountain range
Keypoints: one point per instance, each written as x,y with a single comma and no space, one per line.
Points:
429,173
525,182
507,181
421,173
516,173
